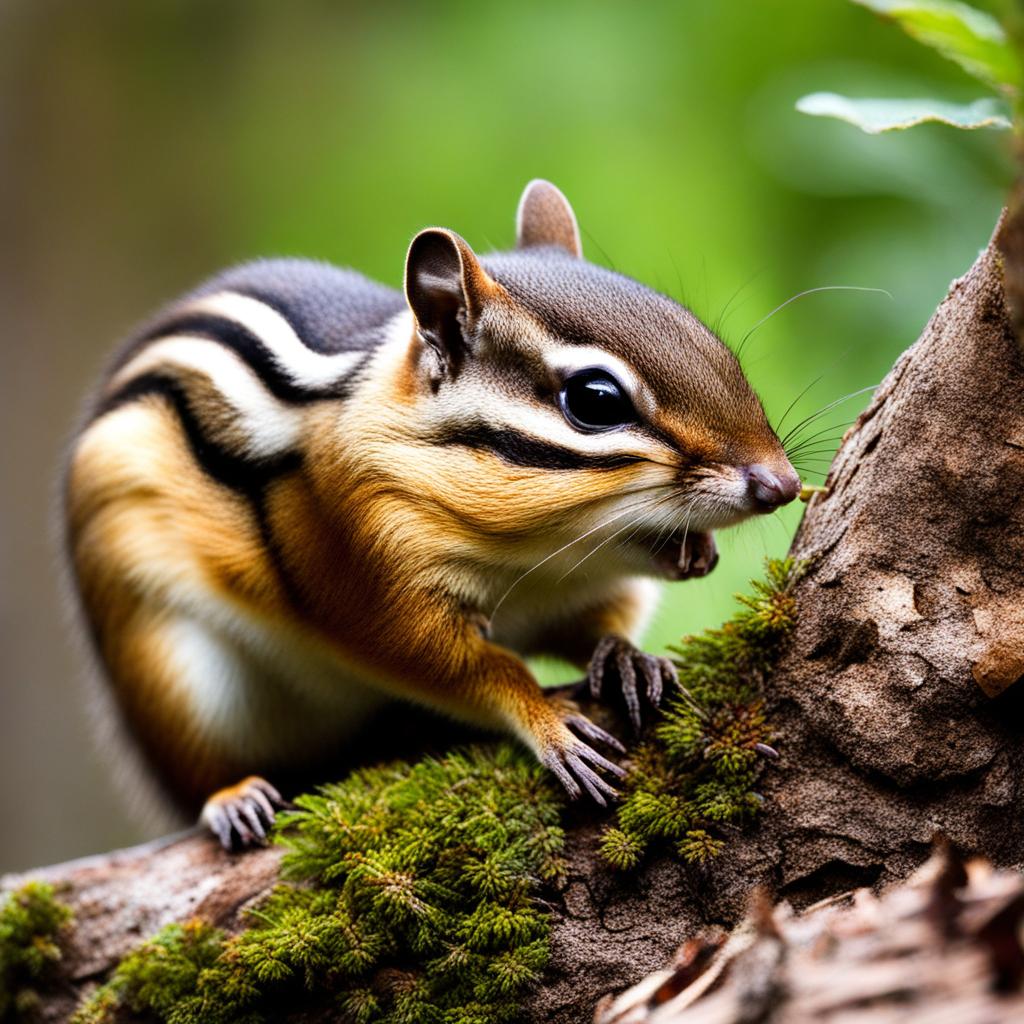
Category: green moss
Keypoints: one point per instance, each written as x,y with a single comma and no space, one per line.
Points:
410,895
31,919
159,976
410,892
699,769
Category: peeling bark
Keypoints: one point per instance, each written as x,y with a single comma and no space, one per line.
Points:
944,946
894,701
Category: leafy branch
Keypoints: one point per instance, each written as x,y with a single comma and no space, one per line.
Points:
973,39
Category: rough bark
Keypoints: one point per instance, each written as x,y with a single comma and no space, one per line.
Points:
893,702
123,897
944,946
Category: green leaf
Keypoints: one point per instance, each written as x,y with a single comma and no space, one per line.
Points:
961,33
874,116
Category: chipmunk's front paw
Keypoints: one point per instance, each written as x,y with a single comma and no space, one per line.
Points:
628,662
240,816
572,761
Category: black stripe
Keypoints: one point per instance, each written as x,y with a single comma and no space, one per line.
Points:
248,347
523,450
250,478
246,475
258,501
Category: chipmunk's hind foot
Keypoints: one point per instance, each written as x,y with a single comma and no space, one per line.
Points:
630,664
240,816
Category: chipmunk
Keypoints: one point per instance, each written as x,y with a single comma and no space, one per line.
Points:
299,493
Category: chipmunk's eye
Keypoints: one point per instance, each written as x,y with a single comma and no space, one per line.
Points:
593,400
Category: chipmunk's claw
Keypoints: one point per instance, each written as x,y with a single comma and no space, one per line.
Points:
240,816
573,762
585,727
627,661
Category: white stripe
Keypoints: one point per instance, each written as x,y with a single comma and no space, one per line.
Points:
566,359
306,368
210,675
270,426
472,402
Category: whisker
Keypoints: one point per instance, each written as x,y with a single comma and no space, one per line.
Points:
789,408
800,295
816,453
829,450
597,245
815,447
575,540
817,437
686,531
735,295
597,547
842,424
664,535
636,527
657,504
679,276
827,408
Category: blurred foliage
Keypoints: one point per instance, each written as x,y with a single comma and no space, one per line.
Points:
698,771
967,35
31,919
885,115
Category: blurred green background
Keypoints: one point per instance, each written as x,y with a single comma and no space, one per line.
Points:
143,145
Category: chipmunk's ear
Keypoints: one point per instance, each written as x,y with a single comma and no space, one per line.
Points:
446,289
545,217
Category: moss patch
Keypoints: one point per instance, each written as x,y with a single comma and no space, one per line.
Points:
410,899
410,892
699,769
31,919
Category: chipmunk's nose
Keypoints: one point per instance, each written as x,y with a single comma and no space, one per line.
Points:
768,488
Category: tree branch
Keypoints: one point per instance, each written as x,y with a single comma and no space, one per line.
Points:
894,703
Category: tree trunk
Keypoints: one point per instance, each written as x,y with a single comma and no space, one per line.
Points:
893,703
889,705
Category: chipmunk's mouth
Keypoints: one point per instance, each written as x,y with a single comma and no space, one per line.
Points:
682,555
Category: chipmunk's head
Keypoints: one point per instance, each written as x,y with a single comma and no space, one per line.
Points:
564,398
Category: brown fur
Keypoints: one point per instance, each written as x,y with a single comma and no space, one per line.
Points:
381,552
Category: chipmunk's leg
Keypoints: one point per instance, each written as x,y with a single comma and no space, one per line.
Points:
601,639
546,725
161,552
165,668
490,685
